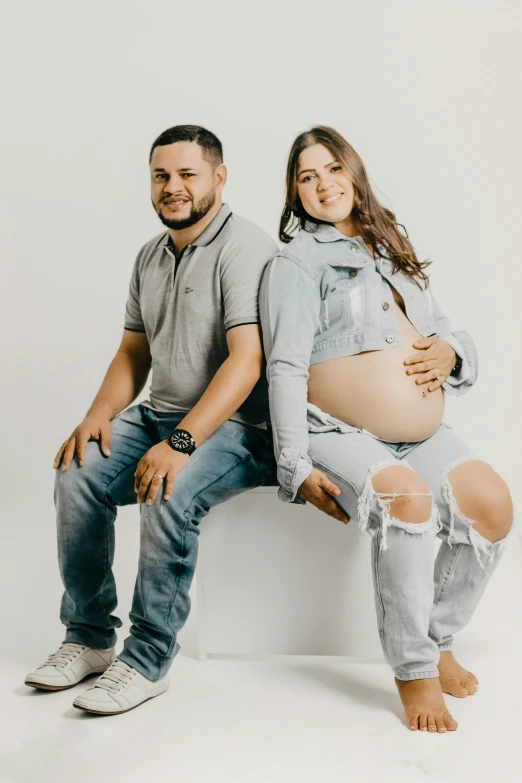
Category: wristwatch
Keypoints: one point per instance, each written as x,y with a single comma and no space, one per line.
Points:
457,368
182,441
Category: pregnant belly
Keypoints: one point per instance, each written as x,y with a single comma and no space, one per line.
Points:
372,391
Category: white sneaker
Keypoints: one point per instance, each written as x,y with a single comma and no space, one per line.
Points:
68,665
121,688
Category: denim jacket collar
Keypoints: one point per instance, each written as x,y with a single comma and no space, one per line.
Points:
326,232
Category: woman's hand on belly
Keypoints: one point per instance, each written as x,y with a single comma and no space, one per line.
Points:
372,391
435,361
320,492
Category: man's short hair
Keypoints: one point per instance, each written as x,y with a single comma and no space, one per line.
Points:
212,149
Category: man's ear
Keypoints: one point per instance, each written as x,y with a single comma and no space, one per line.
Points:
220,175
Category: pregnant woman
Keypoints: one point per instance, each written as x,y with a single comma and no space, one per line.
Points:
359,359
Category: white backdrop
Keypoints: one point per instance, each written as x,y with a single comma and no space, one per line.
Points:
427,92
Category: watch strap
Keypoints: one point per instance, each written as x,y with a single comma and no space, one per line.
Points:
458,366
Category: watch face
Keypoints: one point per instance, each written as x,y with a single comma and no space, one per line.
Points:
181,440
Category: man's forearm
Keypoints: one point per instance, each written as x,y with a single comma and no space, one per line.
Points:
123,381
227,390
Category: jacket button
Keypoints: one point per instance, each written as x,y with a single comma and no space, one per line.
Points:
385,306
353,272
389,338
355,248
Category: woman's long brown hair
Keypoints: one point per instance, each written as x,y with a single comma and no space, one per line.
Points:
377,224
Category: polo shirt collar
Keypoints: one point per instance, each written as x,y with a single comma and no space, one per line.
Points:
213,228
210,233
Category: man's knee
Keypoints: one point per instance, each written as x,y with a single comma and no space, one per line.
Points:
76,481
188,499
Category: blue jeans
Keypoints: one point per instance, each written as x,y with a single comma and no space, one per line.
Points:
233,459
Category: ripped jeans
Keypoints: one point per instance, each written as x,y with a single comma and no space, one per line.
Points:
421,600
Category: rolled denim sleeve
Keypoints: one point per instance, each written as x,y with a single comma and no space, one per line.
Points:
463,345
289,303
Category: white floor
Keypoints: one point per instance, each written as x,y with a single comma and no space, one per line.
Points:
286,720
265,722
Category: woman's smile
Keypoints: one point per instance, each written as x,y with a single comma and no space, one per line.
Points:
331,199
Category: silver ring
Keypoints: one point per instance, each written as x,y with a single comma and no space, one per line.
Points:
158,475
438,374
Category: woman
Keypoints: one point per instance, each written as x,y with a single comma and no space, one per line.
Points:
342,306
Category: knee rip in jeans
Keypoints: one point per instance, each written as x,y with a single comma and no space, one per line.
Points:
384,501
480,544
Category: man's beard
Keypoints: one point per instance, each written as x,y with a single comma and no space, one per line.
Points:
197,212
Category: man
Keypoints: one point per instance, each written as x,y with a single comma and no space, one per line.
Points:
201,438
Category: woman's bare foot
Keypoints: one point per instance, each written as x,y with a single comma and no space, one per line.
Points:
454,679
424,705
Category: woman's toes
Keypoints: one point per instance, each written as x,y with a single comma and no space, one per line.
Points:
423,722
451,723
414,722
471,686
441,726
432,724
454,687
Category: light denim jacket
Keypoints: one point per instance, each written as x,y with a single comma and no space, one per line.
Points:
323,296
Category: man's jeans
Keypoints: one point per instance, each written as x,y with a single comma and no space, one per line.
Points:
235,458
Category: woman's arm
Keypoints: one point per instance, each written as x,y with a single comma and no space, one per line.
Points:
289,303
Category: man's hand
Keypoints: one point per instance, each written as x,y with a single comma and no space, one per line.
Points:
320,491
436,355
96,426
158,463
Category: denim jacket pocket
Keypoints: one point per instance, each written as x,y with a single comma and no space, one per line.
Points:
343,306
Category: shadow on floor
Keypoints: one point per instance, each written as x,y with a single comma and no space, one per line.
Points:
352,687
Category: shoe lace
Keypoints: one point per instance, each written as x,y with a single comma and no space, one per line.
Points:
65,654
116,677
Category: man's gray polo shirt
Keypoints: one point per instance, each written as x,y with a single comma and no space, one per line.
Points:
186,313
